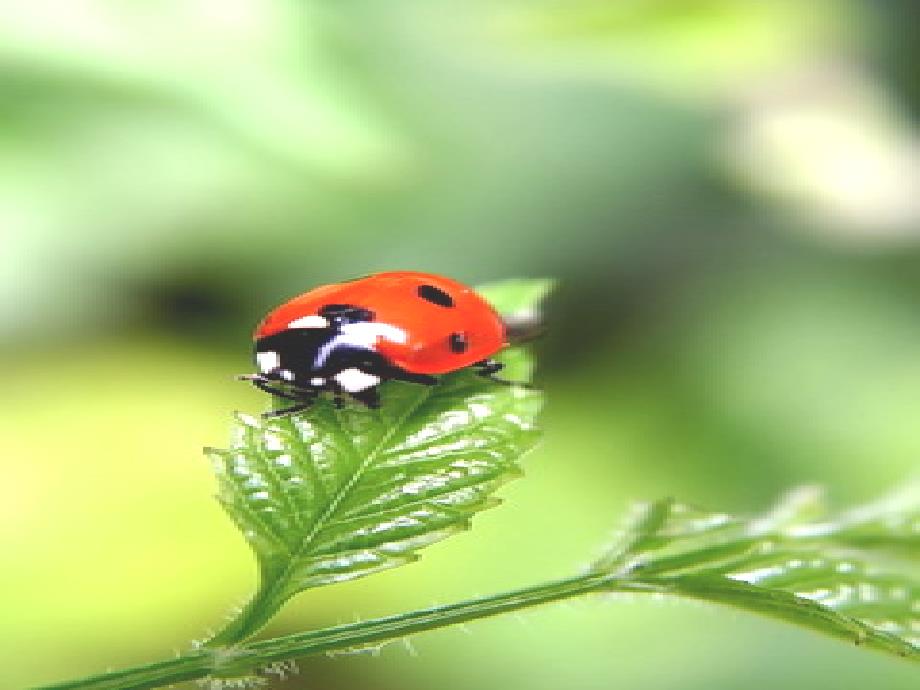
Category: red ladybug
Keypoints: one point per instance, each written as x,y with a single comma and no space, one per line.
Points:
347,338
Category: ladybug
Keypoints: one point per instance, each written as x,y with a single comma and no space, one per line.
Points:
347,338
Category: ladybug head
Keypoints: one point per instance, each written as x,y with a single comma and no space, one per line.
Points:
332,350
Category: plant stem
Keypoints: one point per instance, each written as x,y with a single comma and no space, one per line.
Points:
378,630
253,617
244,659
187,667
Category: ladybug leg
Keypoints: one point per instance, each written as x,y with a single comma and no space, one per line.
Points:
368,397
263,385
273,414
489,367
403,375
301,402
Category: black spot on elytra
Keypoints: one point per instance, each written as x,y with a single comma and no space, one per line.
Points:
458,343
435,295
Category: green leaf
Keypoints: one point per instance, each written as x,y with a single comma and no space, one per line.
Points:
831,574
512,298
329,495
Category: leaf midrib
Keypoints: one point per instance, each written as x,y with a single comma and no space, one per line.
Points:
342,493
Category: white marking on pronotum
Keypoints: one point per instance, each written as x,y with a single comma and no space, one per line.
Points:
287,374
354,380
268,361
312,321
362,336
317,381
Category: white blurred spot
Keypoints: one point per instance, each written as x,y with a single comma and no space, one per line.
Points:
480,411
835,147
354,380
312,321
268,361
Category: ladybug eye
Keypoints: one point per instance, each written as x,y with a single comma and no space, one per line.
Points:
435,295
458,343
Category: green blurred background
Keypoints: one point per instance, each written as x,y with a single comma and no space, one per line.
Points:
727,191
